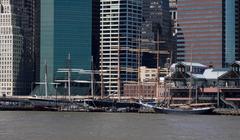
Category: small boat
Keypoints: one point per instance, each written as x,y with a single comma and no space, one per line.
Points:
191,110
183,109
188,108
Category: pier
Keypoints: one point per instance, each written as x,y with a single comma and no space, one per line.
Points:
227,111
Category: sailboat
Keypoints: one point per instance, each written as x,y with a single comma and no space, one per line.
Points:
187,108
182,109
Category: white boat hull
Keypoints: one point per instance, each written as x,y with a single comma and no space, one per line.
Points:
205,110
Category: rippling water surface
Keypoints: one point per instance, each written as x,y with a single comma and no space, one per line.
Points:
111,126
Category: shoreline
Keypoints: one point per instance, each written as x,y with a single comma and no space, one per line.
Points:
217,111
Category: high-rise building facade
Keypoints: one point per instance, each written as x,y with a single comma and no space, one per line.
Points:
119,39
156,23
96,33
238,15
68,28
207,31
173,12
174,25
17,48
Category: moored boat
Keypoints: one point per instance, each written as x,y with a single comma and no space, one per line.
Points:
201,110
182,109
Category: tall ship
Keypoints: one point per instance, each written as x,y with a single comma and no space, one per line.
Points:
189,107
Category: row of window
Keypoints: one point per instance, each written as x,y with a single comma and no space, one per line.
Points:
6,85
112,2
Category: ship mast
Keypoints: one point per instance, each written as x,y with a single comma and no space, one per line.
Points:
46,80
158,57
69,77
118,73
190,84
101,76
92,78
139,63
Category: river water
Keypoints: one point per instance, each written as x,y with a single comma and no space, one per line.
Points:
116,126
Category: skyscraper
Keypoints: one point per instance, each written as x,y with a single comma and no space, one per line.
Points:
68,29
173,12
238,15
174,25
17,48
119,39
96,33
156,21
207,31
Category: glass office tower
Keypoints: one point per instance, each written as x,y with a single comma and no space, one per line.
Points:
207,31
67,29
156,21
238,31
120,33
